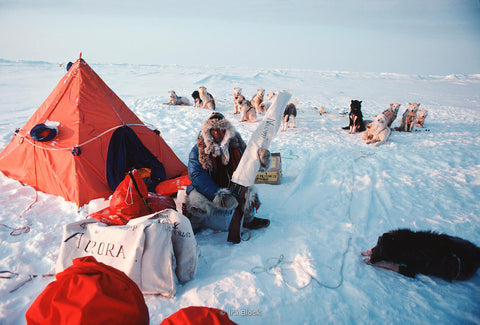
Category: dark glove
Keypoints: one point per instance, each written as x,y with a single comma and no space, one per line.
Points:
225,199
265,159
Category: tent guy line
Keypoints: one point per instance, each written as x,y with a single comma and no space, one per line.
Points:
82,144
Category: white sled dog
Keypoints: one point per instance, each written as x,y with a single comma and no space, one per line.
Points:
257,101
270,95
207,99
269,100
421,116
173,99
247,111
378,131
409,117
391,113
236,92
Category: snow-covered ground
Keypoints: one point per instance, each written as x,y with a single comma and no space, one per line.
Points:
337,195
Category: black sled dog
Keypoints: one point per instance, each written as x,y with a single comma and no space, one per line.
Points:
426,252
356,123
196,99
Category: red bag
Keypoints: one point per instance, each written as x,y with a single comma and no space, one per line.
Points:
195,315
171,186
159,202
126,203
89,292
126,200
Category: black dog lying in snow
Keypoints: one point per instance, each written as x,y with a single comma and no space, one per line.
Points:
409,253
355,118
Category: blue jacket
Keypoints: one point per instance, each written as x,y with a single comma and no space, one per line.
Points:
201,178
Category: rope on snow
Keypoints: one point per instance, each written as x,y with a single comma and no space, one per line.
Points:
17,231
25,229
281,264
11,275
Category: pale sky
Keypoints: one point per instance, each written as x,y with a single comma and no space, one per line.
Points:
401,36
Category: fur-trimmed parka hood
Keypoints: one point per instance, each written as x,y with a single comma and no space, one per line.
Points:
207,145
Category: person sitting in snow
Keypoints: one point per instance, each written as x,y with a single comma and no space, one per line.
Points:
211,164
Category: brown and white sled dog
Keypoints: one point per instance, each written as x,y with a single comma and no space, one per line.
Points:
289,116
236,92
247,111
173,99
378,131
421,116
207,98
409,117
257,101
391,113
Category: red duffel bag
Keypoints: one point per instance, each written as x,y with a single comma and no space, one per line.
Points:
130,200
89,292
195,315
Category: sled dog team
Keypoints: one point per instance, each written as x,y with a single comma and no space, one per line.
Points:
378,131
248,109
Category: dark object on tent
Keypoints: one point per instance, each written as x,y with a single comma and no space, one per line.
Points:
43,133
89,292
127,152
69,65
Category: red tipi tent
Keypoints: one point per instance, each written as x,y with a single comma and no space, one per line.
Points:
73,164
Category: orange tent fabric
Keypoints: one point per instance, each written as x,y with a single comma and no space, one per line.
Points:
73,164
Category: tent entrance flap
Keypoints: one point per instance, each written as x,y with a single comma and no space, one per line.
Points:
126,152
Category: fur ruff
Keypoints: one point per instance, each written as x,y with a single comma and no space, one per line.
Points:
207,145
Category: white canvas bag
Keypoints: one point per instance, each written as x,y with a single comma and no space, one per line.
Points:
185,247
143,249
184,243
